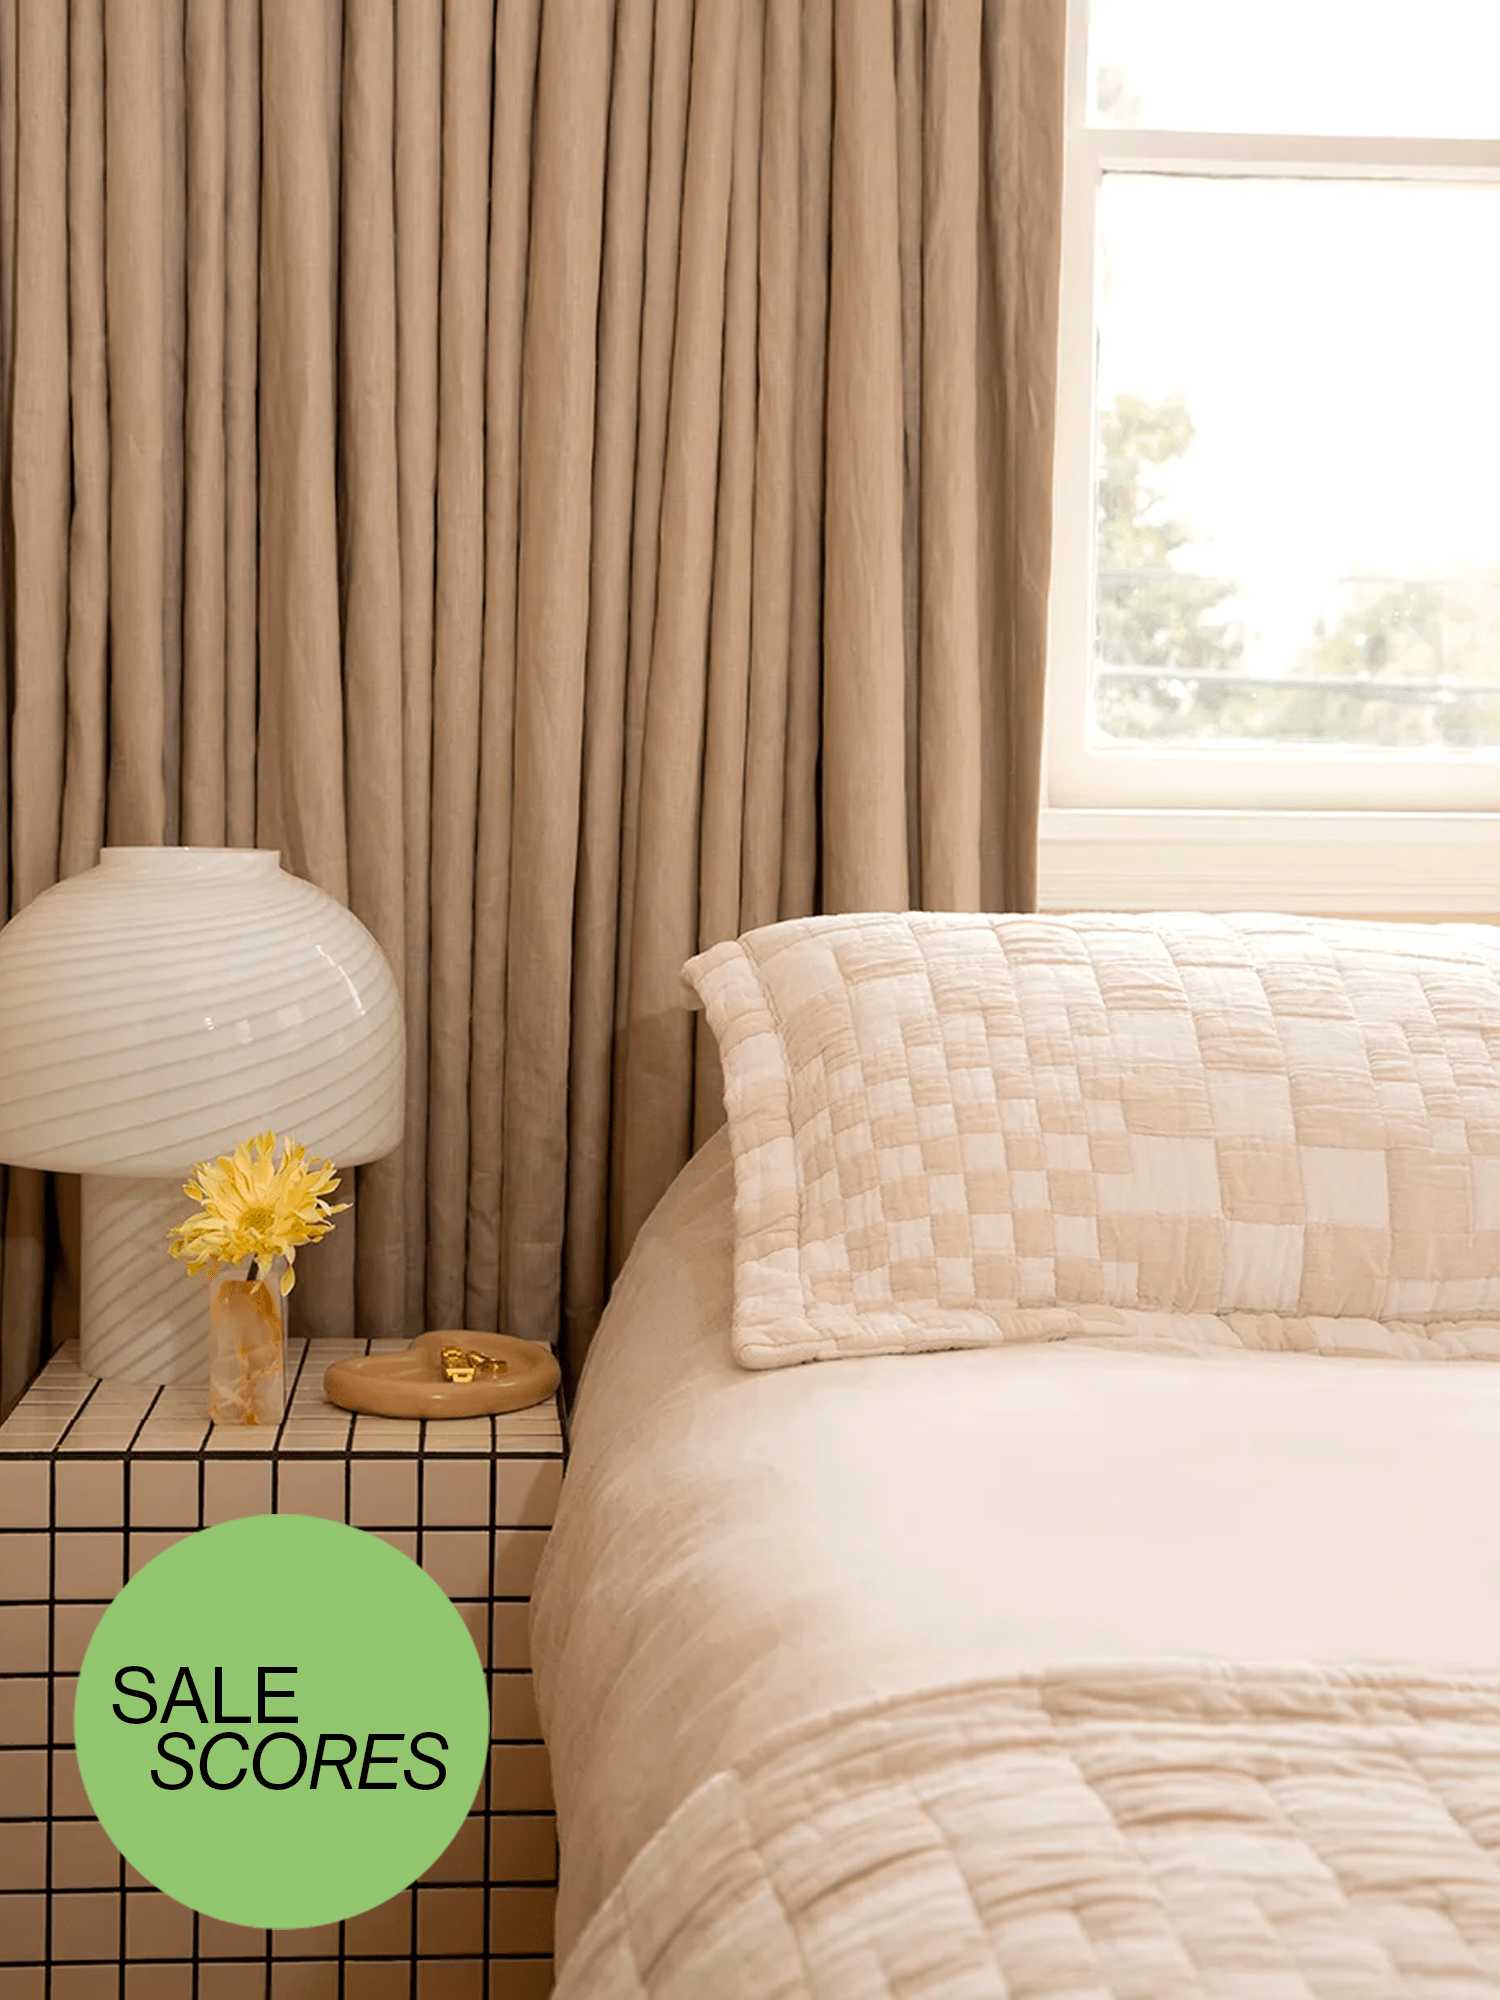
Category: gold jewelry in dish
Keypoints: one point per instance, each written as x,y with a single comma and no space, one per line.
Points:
495,1373
462,1366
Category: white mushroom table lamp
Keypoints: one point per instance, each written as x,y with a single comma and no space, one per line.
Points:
154,1012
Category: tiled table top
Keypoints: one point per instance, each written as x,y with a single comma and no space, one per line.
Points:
67,1411
96,1479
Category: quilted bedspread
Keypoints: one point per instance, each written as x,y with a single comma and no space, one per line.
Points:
1149,1832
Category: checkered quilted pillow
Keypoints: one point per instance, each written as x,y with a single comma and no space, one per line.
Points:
954,1130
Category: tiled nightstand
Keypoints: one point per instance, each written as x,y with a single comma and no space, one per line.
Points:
95,1477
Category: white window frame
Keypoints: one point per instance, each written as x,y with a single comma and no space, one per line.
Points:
1291,829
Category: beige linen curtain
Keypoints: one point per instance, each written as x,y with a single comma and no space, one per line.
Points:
574,477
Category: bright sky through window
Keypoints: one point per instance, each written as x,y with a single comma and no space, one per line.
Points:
1405,68
1297,391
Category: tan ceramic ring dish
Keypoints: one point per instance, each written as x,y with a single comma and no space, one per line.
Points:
413,1384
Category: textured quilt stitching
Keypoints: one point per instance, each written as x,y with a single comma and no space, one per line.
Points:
798,1189
1426,1783
1186,1829
958,1123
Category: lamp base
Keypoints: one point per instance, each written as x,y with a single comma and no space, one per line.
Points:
141,1317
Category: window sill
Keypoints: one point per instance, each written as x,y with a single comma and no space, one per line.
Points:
1354,864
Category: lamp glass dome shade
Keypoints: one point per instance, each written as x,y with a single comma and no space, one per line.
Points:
173,1000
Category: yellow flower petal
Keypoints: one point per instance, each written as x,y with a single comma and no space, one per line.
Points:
252,1207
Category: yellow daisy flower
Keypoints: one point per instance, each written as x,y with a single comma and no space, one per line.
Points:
253,1209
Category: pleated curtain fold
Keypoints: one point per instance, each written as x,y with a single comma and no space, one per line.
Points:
573,475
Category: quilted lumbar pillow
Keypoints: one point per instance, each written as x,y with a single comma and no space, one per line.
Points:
953,1130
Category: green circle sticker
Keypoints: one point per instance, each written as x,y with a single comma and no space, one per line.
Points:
281,1721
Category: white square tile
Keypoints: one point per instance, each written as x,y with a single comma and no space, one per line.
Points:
467,1434
25,1497
526,1491
316,1487
386,1434
234,1490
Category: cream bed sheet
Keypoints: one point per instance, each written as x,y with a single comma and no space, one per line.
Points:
736,1552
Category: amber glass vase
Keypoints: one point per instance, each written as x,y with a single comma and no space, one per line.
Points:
246,1346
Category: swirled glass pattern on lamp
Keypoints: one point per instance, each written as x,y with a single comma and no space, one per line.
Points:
155,1011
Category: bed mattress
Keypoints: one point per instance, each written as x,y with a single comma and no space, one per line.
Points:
736,1553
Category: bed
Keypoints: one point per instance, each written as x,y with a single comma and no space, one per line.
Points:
1121,1658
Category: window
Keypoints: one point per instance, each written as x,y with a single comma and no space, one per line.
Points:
1277,552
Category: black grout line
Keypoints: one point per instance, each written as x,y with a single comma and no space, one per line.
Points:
489,1695
343,1929
127,1500
144,1420
348,1512
290,1457
139,1889
287,1958
33,1603
289,1396
416,1901
89,1396
50,1753
120,1877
